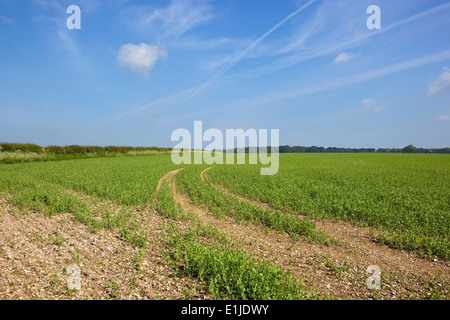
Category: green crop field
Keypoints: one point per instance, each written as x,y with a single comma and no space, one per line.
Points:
403,199
130,180
407,197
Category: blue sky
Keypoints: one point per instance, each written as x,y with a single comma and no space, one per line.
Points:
138,70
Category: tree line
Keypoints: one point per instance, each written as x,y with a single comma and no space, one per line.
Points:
315,149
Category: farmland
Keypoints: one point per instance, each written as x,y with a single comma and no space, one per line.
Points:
226,232
406,197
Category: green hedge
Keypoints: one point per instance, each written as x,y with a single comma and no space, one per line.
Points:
23,147
119,149
95,149
73,149
55,150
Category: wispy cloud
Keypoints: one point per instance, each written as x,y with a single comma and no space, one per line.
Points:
217,49
55,16
333,47
444,117
301,34
88,6
195,43
177,18
441,84
337,47
49,108
205,12
378,109
241,55
335,83
159,103
344,57
154,113
140,58
311,89
154,116
372,104
368,102
6,20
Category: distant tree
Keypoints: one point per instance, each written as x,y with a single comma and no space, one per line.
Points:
410,149
298,149
443,150
315,149
284,149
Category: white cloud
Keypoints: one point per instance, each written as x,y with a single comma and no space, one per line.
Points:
49,108
140,58
444,117
441,84
344,57
368,102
